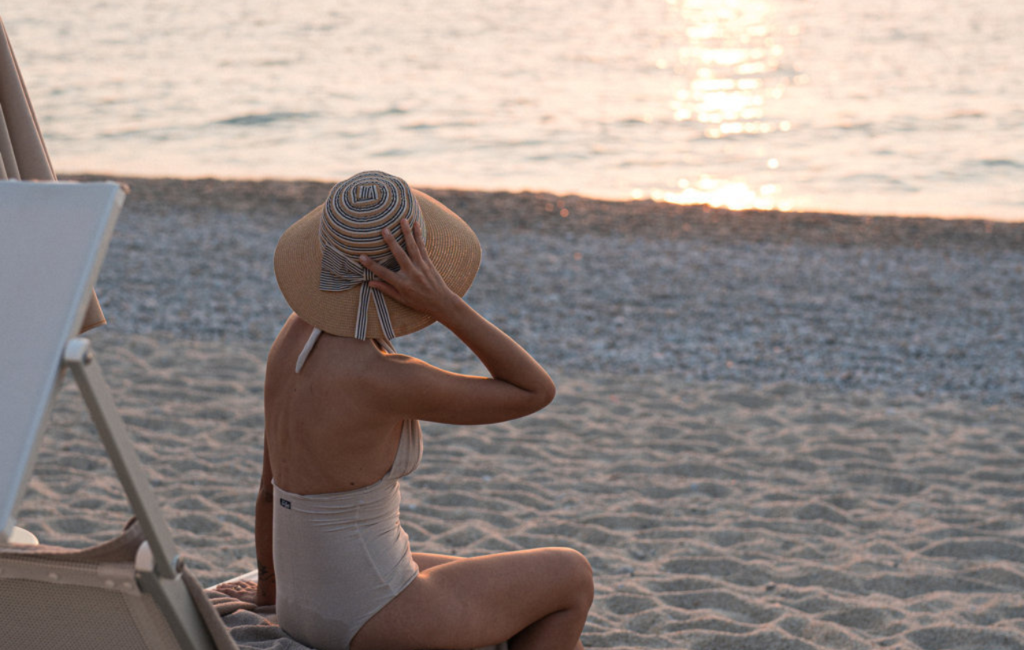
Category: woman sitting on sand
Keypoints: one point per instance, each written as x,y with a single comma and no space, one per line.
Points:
380,260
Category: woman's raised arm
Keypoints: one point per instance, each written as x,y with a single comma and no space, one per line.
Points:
518,384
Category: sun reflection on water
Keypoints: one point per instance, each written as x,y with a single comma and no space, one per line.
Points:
728,63
721,193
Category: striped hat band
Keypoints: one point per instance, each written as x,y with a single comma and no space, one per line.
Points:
355,213
358,209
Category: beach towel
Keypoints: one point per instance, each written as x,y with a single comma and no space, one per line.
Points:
256,628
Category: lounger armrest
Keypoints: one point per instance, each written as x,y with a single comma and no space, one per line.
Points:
22,537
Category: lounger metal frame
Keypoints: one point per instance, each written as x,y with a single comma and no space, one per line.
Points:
163,579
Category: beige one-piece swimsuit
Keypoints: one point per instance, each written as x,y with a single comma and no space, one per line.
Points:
341,557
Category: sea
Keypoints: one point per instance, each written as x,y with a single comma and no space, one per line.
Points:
879,107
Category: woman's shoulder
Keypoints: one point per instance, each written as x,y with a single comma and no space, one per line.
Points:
337,363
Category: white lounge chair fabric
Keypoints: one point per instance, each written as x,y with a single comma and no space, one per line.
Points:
52,240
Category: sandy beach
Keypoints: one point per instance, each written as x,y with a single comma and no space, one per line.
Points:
773,430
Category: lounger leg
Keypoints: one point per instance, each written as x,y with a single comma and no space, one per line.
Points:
79,357
176,602
164,583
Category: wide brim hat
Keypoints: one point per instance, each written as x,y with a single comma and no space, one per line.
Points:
451,245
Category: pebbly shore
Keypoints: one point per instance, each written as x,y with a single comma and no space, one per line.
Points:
928,307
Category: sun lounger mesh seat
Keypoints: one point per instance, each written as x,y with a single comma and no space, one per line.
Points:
53,597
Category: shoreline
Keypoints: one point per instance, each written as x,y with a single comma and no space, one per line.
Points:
916,306
668,219
938,214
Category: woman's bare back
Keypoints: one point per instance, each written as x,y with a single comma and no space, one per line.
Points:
320,434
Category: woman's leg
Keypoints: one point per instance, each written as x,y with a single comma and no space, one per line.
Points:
430,560
537,599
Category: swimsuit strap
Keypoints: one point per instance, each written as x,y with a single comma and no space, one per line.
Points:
315,335
409,452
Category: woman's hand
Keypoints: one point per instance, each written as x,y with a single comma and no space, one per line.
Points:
244,590
416,284
518,385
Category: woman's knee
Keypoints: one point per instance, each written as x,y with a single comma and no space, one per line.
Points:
575,575
585,575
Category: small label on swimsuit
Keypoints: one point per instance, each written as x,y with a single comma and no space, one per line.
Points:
286,503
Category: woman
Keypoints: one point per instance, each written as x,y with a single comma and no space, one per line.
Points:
342,411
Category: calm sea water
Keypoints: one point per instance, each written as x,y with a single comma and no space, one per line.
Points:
876,106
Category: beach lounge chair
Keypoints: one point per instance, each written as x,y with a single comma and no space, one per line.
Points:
131,592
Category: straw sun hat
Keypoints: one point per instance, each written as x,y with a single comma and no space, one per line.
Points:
317,258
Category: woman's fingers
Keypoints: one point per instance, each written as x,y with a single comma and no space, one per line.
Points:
396,249
399,254
411,249
416,283
386,289
414,244
386,275
420,242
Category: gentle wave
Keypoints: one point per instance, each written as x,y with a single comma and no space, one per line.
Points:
260,119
